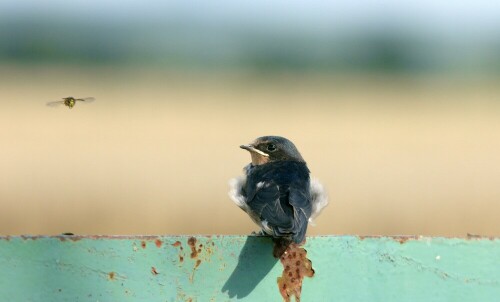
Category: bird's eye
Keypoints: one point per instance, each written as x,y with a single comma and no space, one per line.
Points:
271,147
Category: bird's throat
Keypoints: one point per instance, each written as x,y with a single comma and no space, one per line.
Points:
258,159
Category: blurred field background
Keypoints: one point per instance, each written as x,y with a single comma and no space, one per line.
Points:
395,107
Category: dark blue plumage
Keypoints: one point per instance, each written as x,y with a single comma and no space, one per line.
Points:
278,193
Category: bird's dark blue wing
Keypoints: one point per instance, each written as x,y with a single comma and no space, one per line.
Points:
279,195
299,198
271,207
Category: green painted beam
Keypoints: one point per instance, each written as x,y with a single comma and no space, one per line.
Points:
226,268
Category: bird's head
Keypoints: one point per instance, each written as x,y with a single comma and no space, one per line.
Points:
272,148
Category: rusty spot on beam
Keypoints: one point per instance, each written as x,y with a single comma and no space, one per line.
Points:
181,254
158,243
296,266
143,244
192,244
402,240
25,237
153,271
111,276
479,237
197,264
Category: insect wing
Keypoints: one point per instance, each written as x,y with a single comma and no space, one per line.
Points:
54,104
87,100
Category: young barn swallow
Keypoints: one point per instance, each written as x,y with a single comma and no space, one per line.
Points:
276,191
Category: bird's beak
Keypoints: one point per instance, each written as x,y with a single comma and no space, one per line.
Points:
251,148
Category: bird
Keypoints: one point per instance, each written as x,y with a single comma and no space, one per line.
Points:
276,191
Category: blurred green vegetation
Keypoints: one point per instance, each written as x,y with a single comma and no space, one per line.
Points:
178,44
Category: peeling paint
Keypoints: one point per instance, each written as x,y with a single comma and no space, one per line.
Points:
158,243
181,250
153,271
192,243
296,266
27,237
197,264
401,239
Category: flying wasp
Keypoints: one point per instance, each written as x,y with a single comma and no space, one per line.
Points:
70,101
